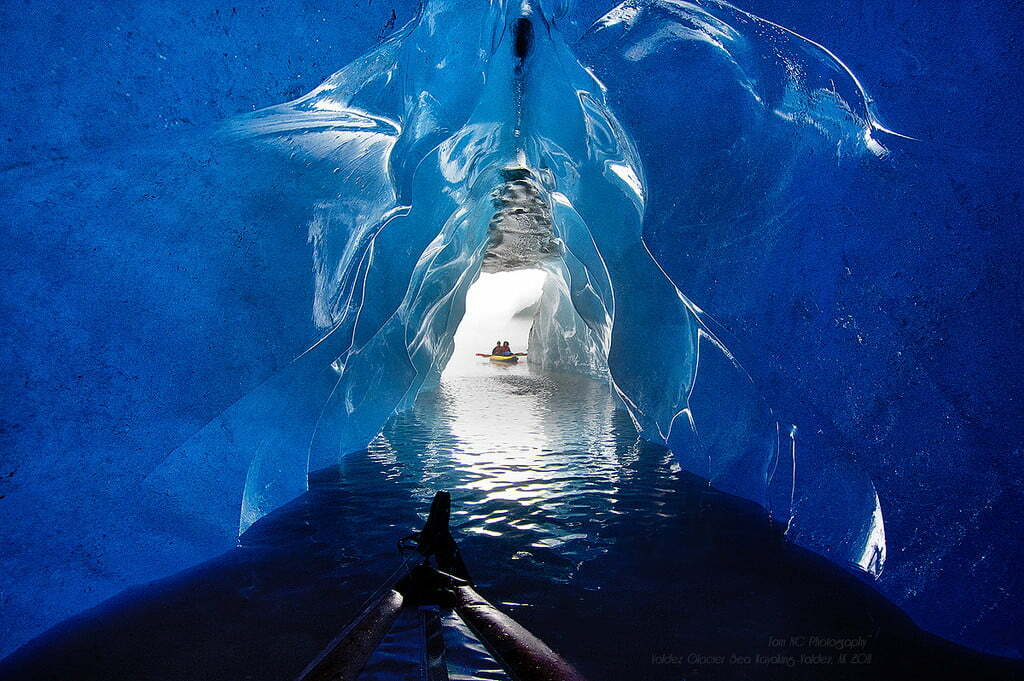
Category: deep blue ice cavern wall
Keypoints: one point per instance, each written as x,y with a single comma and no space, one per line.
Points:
142,294
881,314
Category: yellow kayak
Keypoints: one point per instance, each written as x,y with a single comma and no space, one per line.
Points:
504,359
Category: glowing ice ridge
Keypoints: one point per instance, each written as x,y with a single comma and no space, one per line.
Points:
475,139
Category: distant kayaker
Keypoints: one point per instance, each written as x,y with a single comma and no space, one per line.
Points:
498,348
505,349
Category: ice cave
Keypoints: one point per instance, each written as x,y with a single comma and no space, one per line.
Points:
760,263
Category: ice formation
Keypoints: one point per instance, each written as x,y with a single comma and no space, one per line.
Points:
165,294
475,139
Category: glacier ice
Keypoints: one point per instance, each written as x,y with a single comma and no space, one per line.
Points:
164,295
475,139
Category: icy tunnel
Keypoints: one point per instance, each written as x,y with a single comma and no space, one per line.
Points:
444,167
277,322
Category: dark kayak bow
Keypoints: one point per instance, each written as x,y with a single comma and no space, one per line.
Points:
439,579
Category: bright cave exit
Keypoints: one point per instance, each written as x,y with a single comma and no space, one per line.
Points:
500,306
514,433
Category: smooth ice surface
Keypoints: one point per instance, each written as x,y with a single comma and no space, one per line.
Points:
180,312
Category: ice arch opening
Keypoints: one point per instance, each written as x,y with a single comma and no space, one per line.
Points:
499,306
533,310
418,161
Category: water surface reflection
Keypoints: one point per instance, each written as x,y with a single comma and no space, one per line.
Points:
542,462
594,540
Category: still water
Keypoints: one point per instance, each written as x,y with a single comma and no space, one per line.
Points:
594,540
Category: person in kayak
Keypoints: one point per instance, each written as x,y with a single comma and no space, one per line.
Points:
498,349
505,349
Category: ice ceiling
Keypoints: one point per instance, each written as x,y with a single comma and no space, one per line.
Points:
476,140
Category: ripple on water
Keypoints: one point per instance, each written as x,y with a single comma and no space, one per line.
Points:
539,465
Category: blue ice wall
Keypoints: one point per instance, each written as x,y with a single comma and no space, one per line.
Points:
879,310
143,294
156,281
